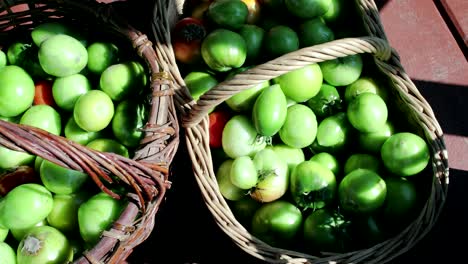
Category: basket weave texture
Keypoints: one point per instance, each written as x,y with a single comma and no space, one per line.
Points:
146,174
194,119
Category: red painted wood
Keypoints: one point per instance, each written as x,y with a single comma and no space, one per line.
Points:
427,48
458,12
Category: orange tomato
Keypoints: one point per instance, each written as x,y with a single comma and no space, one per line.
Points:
43,93
254,7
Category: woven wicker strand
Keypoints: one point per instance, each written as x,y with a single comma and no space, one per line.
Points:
147,174
195,121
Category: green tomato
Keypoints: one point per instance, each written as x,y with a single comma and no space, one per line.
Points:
61,180
102,55
240,138
230,14
277,223
336,12
64,214
273,178
334,132
364,85
96,215
3,233
44,117
75,133
244,100
292,156
329,161
93,111
253,36
361,161
66,90
44,244
3,59
45,30
25,205
326,102
342,71
121,80
19,233
243,173
312,185
401,203
17,91
223,50
362,191
300,128
307,8
367,113
108,145
326,230
373,141
314,31
405,154
129,119
62,55
199,82
269,111
12,158
244,209
7,254
280,40
302,84
24,55
223,177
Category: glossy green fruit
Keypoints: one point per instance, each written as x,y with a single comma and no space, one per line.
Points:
269,111
367,113
25,205
223,50
302,84
312,185
44,244
405,154
277,223
300,128
362,192
17,91
62,55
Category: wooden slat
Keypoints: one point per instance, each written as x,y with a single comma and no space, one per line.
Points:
427,48
458,13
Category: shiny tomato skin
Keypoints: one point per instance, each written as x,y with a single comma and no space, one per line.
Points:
405,154
269,111
277,223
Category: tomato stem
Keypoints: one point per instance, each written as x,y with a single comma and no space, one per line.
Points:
31,246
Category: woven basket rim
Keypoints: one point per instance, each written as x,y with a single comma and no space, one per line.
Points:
147,173
195,122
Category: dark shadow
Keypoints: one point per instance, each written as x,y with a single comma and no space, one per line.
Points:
448,103
381,3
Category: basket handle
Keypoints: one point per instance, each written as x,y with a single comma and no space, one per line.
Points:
379,48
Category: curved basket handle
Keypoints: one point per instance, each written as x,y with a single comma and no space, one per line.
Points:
281,65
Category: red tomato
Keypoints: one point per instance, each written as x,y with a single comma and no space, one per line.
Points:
43,93
218,120
187,38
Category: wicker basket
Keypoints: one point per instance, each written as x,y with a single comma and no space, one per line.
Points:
194,117
146,175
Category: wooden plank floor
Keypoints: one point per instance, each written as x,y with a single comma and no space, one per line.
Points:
457,10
